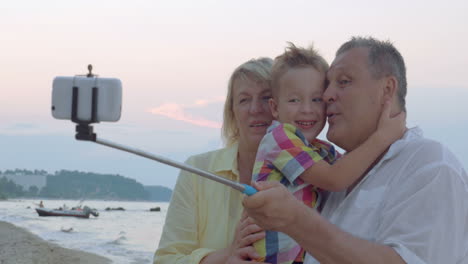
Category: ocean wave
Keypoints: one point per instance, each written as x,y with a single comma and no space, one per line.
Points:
120,240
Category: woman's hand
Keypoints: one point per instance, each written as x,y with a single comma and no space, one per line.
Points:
243,256
247,232
241,250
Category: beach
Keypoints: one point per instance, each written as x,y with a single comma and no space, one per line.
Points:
19,246
123,237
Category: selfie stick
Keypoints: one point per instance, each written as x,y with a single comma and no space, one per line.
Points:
85,132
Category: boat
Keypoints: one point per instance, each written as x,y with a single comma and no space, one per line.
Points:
77,212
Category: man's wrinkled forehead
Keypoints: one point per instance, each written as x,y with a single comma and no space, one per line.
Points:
349,62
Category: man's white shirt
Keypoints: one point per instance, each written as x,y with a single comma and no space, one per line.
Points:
415,200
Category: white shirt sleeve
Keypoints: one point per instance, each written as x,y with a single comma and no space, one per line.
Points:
424,220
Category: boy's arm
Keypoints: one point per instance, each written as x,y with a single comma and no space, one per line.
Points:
347,170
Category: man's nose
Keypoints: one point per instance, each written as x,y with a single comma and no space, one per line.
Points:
329,96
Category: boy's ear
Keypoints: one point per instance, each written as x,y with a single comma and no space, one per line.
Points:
273,108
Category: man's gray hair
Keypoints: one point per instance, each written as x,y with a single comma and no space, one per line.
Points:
384,60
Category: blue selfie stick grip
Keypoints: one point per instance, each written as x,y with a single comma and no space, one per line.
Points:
249,190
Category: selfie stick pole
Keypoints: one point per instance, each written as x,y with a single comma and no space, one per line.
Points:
244,188
85,132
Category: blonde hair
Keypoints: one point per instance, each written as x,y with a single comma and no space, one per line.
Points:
295,57
258,70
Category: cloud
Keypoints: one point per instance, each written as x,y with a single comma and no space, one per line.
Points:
29,128
184,112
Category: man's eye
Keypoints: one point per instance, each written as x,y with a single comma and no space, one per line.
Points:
266,98
293,100
344,82
317,100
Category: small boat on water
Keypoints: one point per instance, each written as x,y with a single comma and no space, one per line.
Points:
84,212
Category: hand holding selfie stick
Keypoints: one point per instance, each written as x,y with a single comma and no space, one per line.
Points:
84,131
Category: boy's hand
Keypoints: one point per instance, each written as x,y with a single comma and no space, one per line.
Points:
390,128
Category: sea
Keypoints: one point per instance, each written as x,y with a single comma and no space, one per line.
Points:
125,237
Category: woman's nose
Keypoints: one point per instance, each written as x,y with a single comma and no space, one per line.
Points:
257,106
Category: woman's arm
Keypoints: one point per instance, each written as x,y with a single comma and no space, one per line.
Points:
179,240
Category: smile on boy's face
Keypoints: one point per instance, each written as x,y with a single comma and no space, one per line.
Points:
299,100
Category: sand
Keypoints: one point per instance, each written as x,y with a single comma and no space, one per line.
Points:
19,246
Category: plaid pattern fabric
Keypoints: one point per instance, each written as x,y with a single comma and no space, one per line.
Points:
283,155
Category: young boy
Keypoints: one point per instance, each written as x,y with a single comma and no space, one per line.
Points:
291,153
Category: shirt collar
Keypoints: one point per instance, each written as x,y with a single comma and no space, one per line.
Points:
410,135
227,161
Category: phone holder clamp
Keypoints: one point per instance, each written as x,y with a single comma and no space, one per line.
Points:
83,129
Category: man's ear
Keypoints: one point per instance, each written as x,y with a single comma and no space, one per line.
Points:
390,89
273,108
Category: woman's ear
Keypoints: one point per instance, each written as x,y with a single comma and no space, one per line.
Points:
273,108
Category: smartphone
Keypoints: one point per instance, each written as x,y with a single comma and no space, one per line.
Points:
109,98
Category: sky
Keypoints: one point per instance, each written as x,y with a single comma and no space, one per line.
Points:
174,59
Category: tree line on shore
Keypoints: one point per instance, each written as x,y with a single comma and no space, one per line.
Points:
66,184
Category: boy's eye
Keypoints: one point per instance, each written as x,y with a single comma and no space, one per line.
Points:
317,100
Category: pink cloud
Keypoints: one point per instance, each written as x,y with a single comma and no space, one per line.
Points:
179,112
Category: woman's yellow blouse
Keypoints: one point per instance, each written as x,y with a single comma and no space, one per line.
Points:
203,214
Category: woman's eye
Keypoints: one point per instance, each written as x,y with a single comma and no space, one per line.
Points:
317,100
242,100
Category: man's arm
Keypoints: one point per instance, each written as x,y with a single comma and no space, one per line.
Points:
274,208
423,219
329,244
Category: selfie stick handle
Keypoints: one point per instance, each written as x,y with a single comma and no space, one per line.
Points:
244,188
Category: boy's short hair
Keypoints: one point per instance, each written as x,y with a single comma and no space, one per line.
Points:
293,58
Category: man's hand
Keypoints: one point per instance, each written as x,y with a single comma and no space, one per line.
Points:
273,207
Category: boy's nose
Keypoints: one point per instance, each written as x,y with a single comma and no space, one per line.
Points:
306,107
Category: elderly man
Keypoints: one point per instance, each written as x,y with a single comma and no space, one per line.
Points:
411,206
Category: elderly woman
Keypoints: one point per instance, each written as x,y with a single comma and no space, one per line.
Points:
204,223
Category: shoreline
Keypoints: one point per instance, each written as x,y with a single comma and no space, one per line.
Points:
19,246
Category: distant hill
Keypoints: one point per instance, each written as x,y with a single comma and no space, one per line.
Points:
159,193
79,185
89,185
